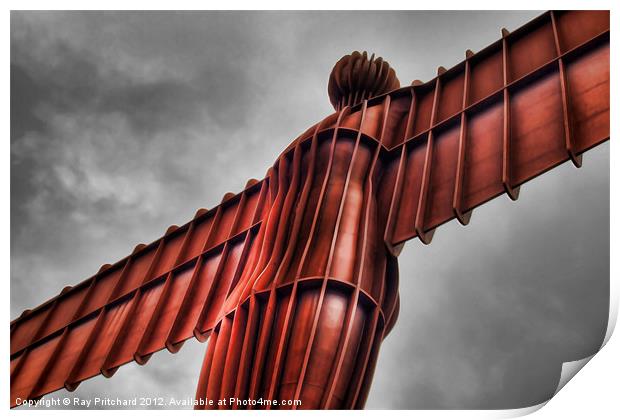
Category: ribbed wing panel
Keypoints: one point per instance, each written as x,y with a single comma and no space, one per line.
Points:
534,99
159,296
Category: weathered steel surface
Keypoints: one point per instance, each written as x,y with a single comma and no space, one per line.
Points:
295,278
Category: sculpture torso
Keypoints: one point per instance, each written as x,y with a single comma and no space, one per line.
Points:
324,285
323,219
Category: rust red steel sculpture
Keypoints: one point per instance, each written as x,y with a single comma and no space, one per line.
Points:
295,279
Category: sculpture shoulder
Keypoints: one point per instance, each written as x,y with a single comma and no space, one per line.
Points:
307,135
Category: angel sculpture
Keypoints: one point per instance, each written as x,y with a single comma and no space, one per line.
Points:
294,280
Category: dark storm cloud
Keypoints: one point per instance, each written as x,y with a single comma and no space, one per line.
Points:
75,82
22,105
125,123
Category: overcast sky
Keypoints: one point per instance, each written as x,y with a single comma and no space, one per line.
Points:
125,123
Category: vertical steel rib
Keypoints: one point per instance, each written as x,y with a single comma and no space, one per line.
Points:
279,342
354,299
139,354
420,217
267,323
457,200
567,118
291,306
345,111
513,192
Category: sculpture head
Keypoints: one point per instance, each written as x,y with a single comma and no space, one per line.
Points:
356,77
